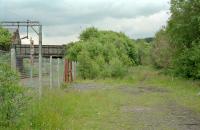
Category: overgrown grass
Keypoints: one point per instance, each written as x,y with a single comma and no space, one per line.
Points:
98,109
74,110
184,91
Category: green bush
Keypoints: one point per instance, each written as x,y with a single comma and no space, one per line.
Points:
187,63
12,98
5,39
143,52
117,68
183,30
102,54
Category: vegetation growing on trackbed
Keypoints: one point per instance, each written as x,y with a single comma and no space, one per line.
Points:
128,76
106,104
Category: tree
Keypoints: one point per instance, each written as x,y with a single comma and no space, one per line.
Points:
89,33
5,39
143,52
162,50
184,24
187,63
184,32
103,54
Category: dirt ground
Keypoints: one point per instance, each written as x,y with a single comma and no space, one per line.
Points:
158,113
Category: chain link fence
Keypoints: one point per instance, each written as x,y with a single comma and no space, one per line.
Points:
53,69
52,72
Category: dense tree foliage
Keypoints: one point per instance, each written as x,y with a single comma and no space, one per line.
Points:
148,40
187,63
5,39
103,53
184,24
184,31
143,49
177,46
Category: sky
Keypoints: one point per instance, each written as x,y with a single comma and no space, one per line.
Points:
63,20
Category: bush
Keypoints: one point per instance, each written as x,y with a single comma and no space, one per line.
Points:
5,39
143,52
117,68
187,63
12,98
184,35
102,54
87,67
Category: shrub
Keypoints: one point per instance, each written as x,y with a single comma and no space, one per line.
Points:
143,52
117,68
5,39
89,33
187,63
74,51
183,29
102,54
12,98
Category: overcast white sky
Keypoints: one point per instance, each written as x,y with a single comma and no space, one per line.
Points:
63,20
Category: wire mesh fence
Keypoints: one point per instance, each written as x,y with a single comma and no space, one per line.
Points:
52,72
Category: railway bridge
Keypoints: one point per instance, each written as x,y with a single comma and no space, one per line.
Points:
24,51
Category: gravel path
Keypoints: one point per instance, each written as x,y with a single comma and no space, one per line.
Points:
166,115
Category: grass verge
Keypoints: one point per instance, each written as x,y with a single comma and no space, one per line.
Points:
97,109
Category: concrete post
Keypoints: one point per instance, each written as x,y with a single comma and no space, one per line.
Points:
40,60
51,73
74,70
31,75
13,59
66,71
31,60
58,70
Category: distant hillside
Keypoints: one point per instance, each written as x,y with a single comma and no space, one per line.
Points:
148,40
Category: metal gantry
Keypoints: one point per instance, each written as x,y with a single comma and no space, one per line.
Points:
29,24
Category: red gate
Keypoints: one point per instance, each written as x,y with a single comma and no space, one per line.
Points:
68,78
